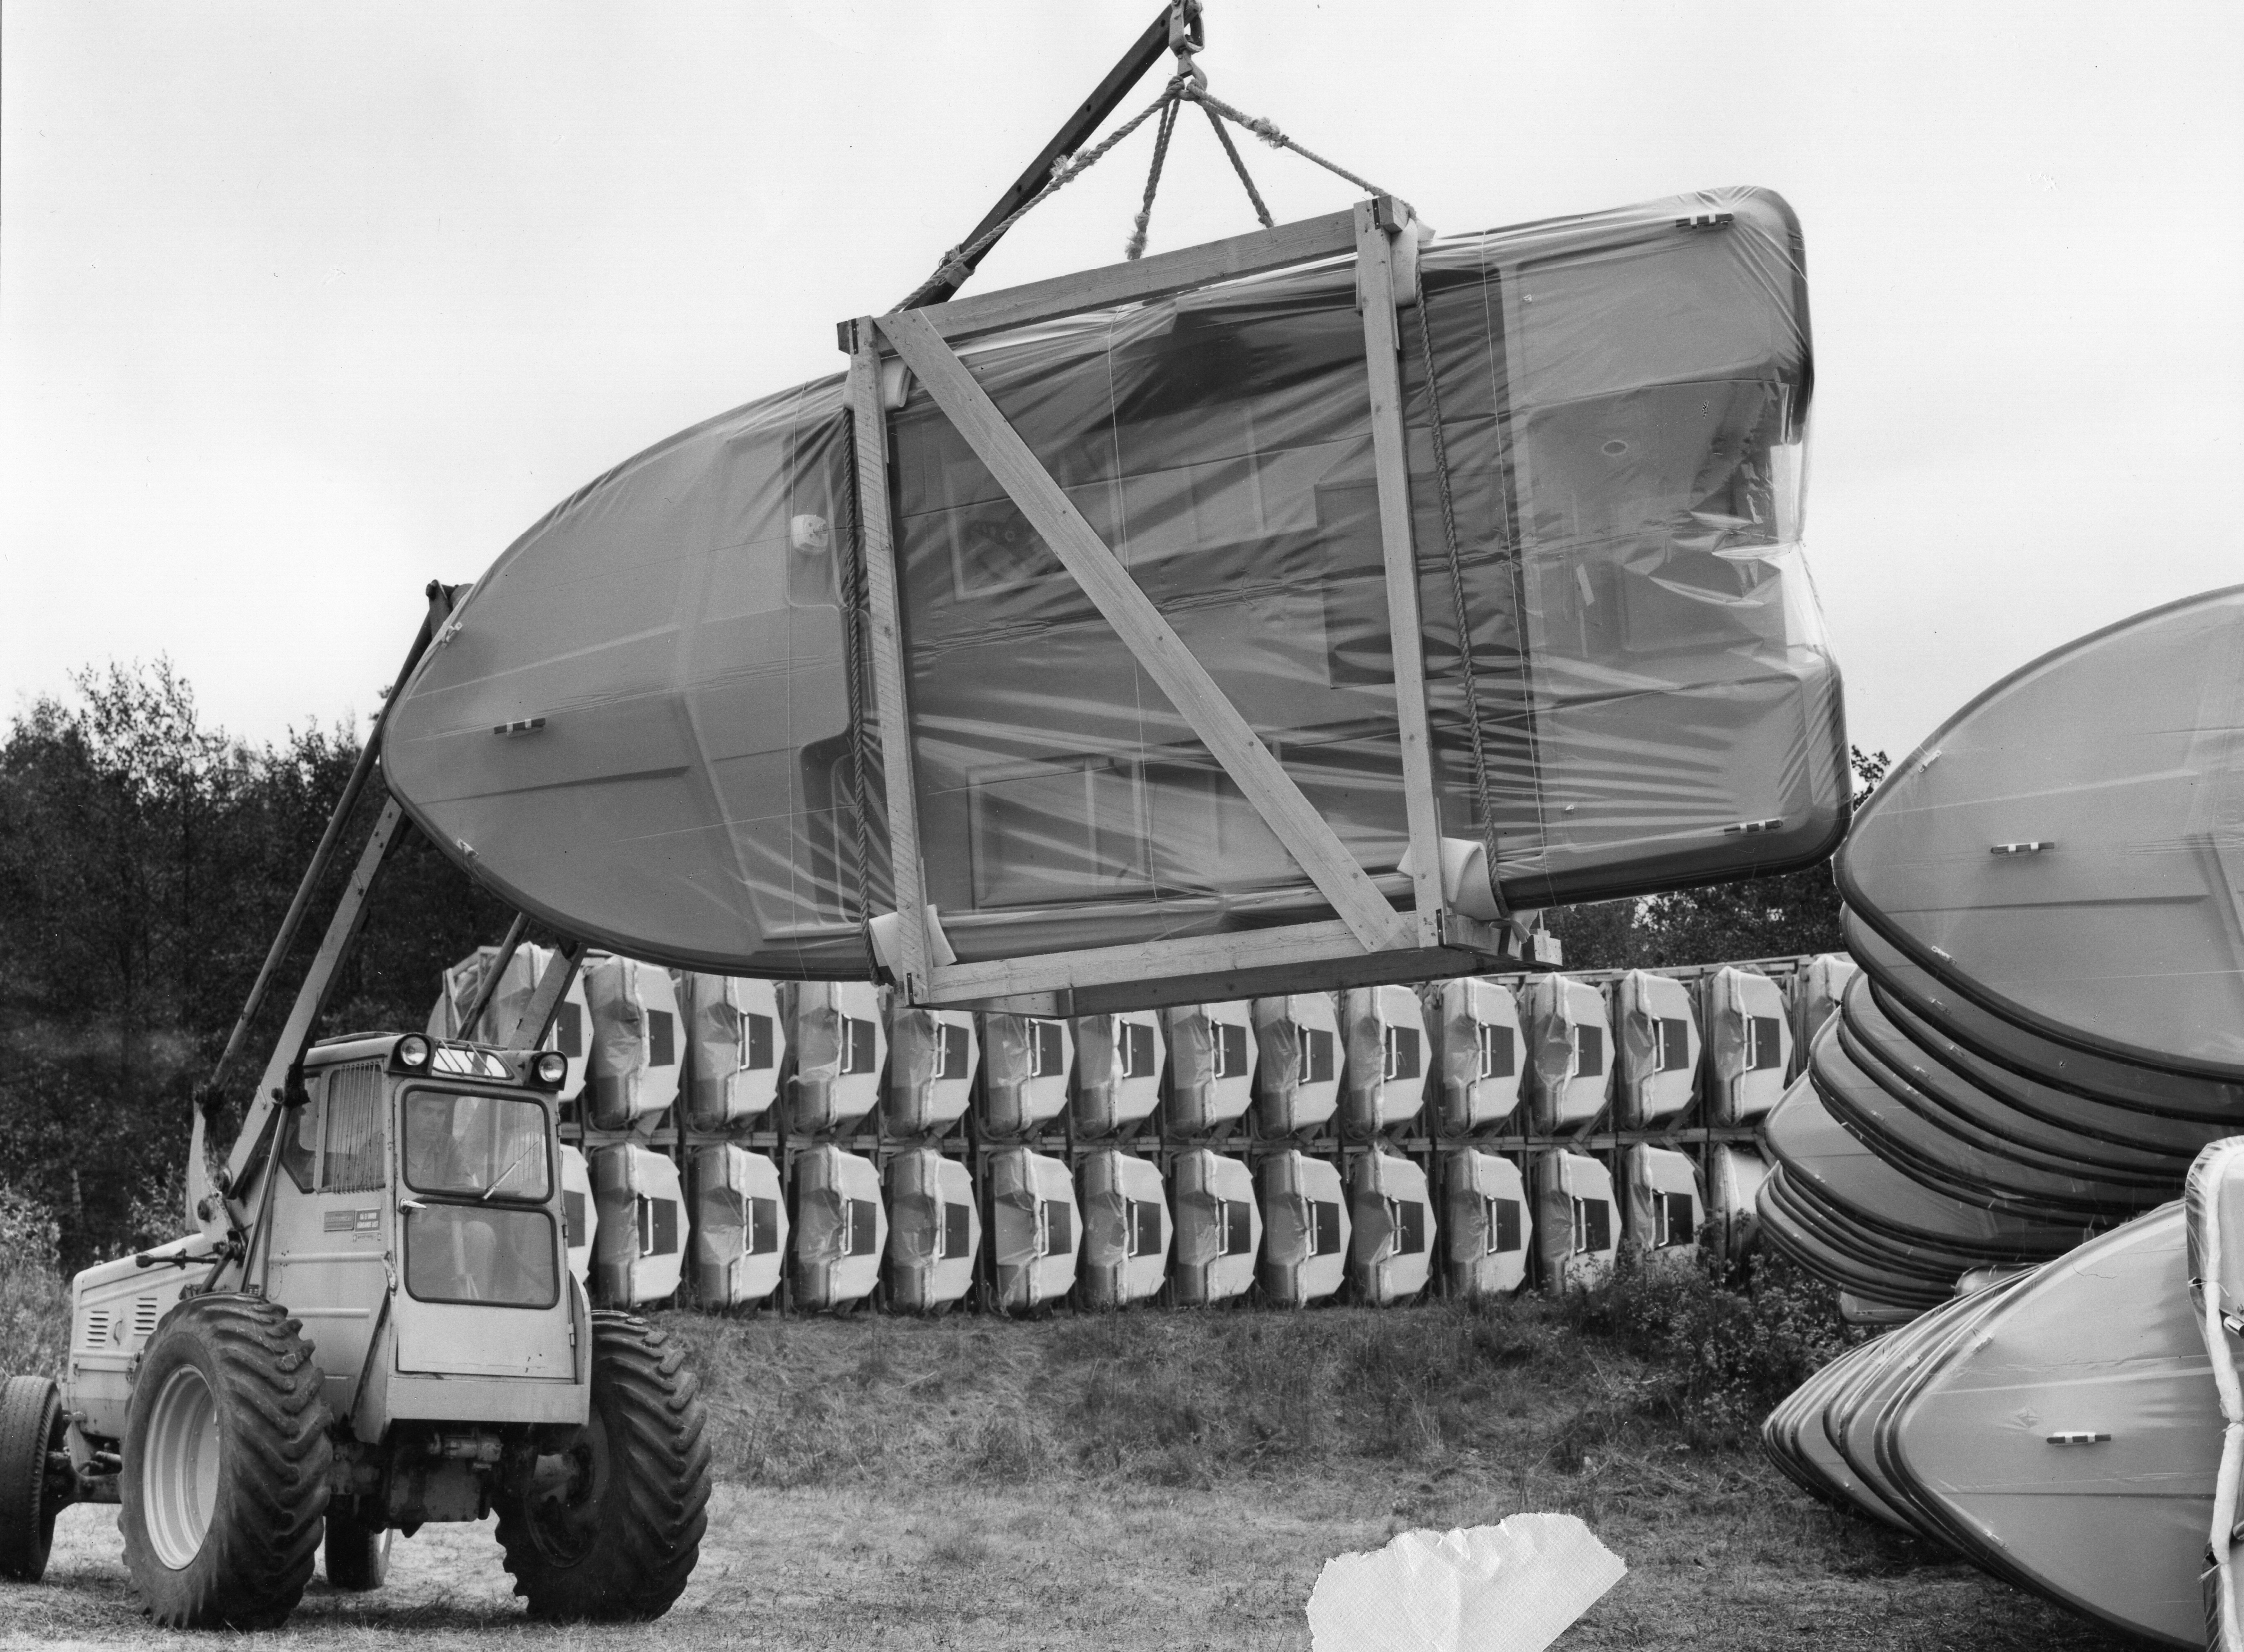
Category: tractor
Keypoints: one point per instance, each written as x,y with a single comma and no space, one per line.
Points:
373,1325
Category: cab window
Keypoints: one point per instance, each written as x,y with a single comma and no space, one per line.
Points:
479,1147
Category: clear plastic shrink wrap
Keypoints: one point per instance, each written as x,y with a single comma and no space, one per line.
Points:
934,1233
836,1046
1576,1235
933,1055
841,1228
634,1070
1569,1034
572,1019
1489,1223
1117,1070
1212,1061
1386,1029
1392,1229
1297,1075
1028,1062
1305,1232
1036,1228
1656,1028
1476,1051
739,1225
1125,1229
733,1048
1219,1226
1667,1203
1625,398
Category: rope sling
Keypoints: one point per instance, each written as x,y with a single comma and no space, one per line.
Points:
1189,84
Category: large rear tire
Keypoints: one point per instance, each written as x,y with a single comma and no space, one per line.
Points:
30,1427
357,1555
618,1541
225,1467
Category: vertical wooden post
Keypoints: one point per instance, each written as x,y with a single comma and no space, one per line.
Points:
876,547
1377,223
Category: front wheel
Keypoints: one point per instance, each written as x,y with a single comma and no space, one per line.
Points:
30,1434
225,1467
606,1524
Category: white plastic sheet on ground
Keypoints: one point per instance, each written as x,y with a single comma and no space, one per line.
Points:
836,1043
635,1045
1027,1064
1219,1226
1513,1587
1211,1058
1386,1084
733,1048
933,1055
1117,1069
1297,1080
1475,1025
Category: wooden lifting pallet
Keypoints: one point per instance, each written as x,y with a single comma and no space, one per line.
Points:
1369,941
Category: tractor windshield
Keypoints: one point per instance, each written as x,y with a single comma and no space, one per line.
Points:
484,1147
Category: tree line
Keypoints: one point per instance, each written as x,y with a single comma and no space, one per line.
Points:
146,860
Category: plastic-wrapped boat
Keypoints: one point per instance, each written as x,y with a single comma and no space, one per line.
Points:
1036,1228
2214,1212
1734,1179
934,1230
1489,1224
637,725
739,1225
1576,1234
1212,1060
1125,1229
579,1215
1569,1032
1656,1034
1304,1232
1386,1074
836,1046
1477,1061
638,1244
1300,1055
632,1072
1748,1029
2103,785
1392,1228
1028,1062
1219,1226
1666,1203
733,1049
571,1019
933,1057
1118,1061
1815,993
841,1228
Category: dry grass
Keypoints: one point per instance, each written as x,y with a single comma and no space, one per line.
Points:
1171,1481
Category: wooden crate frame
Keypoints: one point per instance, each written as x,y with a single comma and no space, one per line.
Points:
1369,941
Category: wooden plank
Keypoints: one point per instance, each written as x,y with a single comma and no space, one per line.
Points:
1125,606
876,545
1148,278
1390,453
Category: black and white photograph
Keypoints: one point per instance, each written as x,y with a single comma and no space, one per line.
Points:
1125,824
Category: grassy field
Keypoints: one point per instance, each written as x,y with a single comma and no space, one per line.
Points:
1172,1479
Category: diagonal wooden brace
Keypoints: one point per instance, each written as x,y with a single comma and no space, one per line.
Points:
1158,648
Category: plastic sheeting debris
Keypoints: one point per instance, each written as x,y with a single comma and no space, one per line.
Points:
1513,1587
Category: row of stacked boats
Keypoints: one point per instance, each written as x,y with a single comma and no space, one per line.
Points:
1990,1145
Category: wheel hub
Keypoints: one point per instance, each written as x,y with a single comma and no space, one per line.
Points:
179,1478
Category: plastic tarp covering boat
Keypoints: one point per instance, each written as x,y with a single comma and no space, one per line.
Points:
1475,1025
1305,1235
1212,1060
1385,1081
836,1045
1489,1224
1118,1061
580,1216
933,1057
1577,1234
572,1019
1793,1440
2070,1445
2213,1210
1036,1228
1392,1227
1656,1030
633,1072
841,1228
1125,1229
1569,1033
739,1225
635,725
2152,1092
639,1243
1734,1179
1219,1226
1300,1057
2067,851
934,1233
1834,1170
1028,1061
733,1049
1667,1203
1815,993
1748,1027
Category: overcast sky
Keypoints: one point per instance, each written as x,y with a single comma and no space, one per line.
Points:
302,305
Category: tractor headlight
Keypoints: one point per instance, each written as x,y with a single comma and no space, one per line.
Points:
551,1068
413,1051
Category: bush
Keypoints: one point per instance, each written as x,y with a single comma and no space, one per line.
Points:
34,1298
